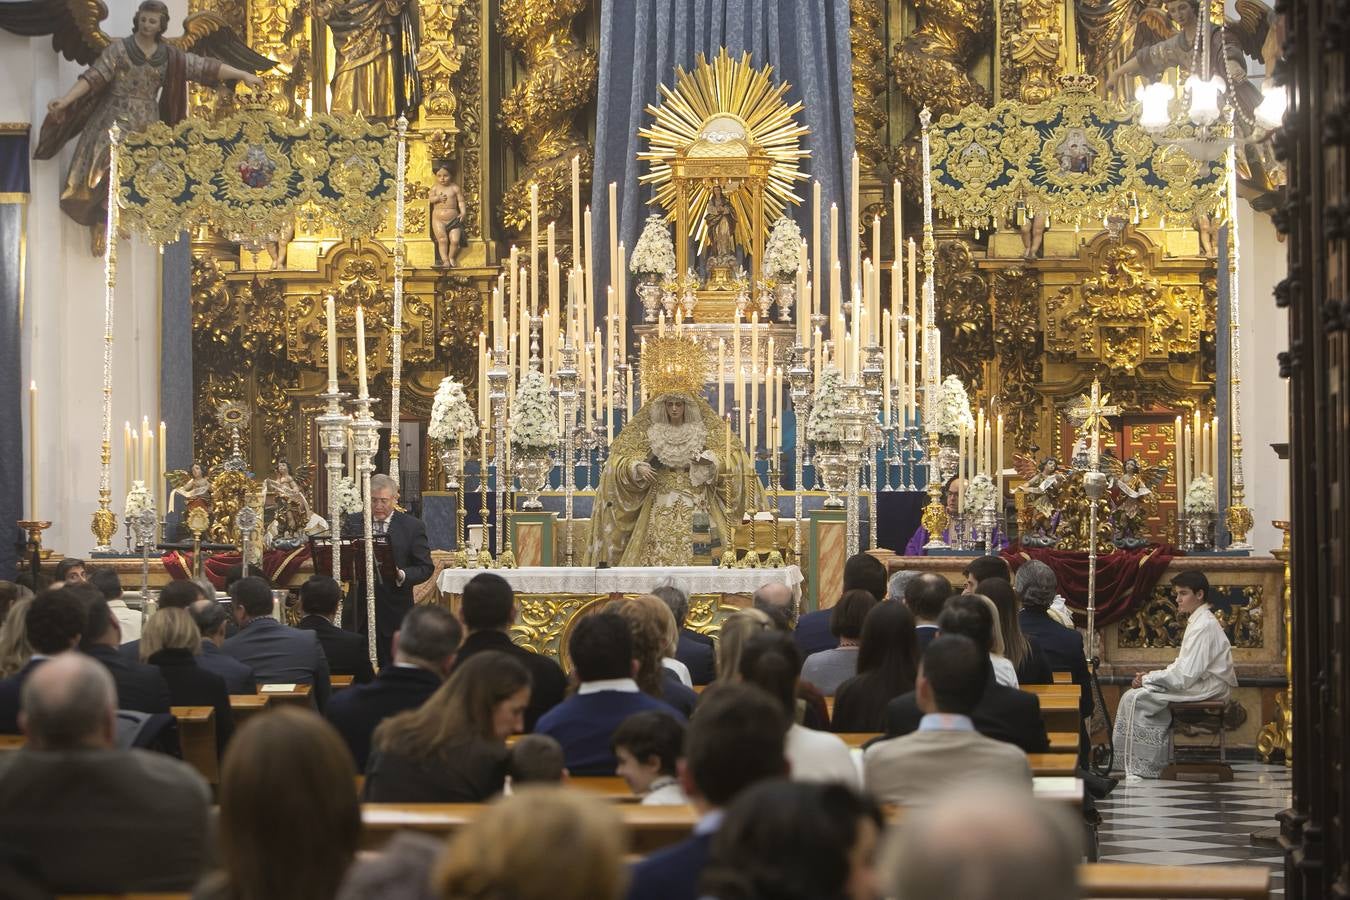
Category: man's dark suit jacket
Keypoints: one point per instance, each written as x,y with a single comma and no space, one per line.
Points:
238,677
813,633
356,711
347,651
1003,713
279,654
408,541
106,821
139,687
924,634
697,652
191,685
671,873
548,684
1063,648
10,689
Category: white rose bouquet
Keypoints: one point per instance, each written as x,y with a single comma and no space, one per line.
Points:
533,421
138,500
781,252
348,496
825,424
655,251
1201,497
451,414
979,493
955,409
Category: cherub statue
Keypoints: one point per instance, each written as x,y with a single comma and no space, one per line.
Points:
1132,501
132,81
446,208
1041,510
283,484
293,524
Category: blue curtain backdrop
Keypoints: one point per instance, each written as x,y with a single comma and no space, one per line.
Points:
641,43
175,361
13,209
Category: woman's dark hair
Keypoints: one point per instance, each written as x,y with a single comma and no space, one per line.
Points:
459,711
770,660
1016,647
846,619
154,6
888,660
786,840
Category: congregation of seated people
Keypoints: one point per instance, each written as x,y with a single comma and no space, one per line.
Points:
745,730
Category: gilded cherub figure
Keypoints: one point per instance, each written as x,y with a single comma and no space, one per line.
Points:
446,208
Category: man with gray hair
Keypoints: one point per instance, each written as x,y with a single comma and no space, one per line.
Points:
1035,583
895,586
213,621
407,539
95,819
986,844
779,601
695,650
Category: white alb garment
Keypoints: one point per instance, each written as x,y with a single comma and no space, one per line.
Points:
820,756
1203,670
680,669
128,618
1005,673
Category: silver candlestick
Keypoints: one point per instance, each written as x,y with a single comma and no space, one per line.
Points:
365,444
497,378
333,426
567,394
799,384
145,525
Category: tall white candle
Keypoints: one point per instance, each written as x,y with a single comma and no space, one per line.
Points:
361,352
614,233
534,249
576,209
331,314
854,232
817,284
587,297
32,451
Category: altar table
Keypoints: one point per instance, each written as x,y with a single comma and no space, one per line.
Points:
550,598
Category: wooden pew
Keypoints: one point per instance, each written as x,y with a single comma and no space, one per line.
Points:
1063,741
1062,677
11,741
608,786
197,738
1053,765
340,681
1059,705
1122,880
297,694
245,705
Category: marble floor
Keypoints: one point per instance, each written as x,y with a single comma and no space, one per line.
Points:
1186,824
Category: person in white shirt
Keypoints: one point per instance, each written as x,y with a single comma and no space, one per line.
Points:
771,660
1005,673
648,746
110,586
1203,670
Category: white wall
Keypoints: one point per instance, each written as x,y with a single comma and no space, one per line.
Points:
63,314
1264,395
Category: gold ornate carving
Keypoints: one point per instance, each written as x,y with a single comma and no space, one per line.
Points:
1031,49
1018,343
867,18
931,64
544,619
440,58
963,313
1156,622
539,113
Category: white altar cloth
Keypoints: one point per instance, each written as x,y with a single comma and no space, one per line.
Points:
626,580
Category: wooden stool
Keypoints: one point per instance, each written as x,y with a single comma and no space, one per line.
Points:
1207,771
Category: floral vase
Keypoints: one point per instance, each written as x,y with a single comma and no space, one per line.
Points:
448,458
532,467
832,473
649,290
1201,528
948,459
785,293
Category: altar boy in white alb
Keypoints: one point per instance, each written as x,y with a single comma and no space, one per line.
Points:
1202,671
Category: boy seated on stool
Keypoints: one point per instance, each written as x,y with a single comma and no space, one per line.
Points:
647,745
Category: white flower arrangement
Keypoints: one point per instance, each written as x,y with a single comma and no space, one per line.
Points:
655,251
533,420
451,414
825,424
348,496
955,410
979,494
1201,497
138,501
781,253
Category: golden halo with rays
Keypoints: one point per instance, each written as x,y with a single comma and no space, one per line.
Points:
674,365
726,89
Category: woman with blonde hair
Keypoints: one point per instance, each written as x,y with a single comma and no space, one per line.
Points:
736,630
652,626
289,817
452,748
544,843
170,642
15,651
1004,671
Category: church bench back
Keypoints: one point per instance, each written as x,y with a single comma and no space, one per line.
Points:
1122,880
197,738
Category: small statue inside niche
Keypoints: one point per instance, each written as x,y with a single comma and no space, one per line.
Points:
446,214
277,249
1208,232
1033,233
720,221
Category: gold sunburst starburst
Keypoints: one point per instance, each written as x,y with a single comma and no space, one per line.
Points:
674,365
733,90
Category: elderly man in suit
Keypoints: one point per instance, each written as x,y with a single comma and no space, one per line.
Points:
1003,713
94,819
695,650
407,538
424,651
946,750
277,653
347,651
211,620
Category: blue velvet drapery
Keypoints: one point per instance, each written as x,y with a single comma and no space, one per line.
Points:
14,189
641,43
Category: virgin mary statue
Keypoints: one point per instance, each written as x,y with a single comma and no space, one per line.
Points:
671,468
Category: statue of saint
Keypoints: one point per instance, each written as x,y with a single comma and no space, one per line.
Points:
1041,514
665,469
193,486
720,220
446,205
375,57
1133,501
132,81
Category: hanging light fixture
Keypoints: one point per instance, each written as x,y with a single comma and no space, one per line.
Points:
1269,113
1154,106
1204,87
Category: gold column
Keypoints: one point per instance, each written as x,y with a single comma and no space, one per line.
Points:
1278,734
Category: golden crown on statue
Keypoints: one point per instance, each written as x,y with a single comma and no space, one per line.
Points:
674,365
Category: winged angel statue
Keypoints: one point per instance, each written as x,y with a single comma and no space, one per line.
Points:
133,81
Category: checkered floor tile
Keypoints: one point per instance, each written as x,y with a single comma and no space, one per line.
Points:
1176,823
